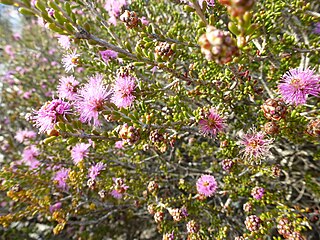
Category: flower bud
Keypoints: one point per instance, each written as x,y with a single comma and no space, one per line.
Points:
271,128
193,227
247,207
252,223
274,109
176,214
218,45
129,134
158,217
313,128
130,19
153,186
164,49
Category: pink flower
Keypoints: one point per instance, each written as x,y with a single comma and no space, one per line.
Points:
8,50
257,192
297,84
119,188
95,170
212,123
70,60
22,135
46,117
61,177
119,144
91,98
113,7
64,41
50,11
107,55
29,156
55,207
68,88
207,185
79,152
256,146
122,91
144,20
16,36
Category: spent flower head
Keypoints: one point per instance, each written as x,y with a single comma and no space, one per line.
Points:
119,188
256,145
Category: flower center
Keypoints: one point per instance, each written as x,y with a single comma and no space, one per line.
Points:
296,83
212,123
206,184
75,60
253,143
98,104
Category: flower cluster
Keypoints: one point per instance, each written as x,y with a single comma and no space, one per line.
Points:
257,192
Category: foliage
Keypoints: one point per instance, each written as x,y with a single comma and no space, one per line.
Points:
183,94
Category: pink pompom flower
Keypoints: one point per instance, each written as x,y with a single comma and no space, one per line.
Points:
46,117
23,135
91,99
61,177
207,185
68,88
107,55
70,60
79,152
29,156
64,42
122,91
297,84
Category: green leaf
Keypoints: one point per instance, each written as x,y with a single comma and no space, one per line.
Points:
26,12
